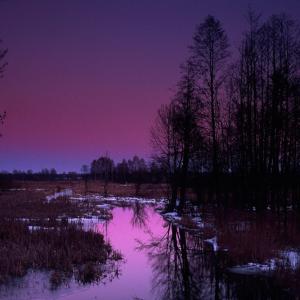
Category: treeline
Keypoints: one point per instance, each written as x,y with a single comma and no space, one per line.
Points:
135,170
234,115
44,174
132,170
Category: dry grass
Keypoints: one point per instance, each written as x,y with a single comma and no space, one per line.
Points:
63,248
32,205
56,244
95,186
255,237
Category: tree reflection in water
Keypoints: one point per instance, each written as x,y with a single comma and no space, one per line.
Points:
180,265
186,267
139,215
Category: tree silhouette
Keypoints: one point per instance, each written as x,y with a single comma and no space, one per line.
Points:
3,53
175,132
210,53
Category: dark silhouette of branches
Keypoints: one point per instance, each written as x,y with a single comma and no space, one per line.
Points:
175,132
238,118
209,54
3,53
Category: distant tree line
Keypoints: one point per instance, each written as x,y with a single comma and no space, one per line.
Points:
127,171
236,116
44,174
135,170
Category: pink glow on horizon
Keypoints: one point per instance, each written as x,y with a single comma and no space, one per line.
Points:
85,79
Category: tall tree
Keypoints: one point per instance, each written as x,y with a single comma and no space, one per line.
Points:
166,146
188,107
267,111
104,168
210,53
176,131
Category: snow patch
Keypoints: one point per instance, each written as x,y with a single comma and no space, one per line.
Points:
78,198
172,216
87,223
198,221
254,268
33,228
130,199
64,193
214,242
104,206
291,257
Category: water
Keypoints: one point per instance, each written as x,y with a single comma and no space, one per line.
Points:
123,232
161,261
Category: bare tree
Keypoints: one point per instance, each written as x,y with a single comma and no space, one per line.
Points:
122,171
187,117
267,110
210,53
85,170
137,169
104,168
175,132
166,146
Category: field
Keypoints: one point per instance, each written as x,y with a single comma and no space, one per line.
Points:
93,186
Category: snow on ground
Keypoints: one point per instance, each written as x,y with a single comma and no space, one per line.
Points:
291,258
214,242
79,198
130,200
176,219
254,268
33,228
288,258
115,199
104,206
32,219
87,223
172,216
198,221
64,193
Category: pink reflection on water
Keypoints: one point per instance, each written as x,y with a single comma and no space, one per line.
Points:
136,274
135,280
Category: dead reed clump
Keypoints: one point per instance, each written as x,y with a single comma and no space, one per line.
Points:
64,249
254,237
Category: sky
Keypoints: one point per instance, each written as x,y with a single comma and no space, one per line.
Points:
86,78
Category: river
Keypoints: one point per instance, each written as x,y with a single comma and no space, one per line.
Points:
160,261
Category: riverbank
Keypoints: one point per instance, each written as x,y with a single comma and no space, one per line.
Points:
239,242
39,232
80,187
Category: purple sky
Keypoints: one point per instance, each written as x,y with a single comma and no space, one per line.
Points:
87,77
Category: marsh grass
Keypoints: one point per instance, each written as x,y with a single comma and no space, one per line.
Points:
48,187
33,206
34,235
256,237
63,249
